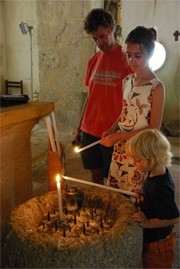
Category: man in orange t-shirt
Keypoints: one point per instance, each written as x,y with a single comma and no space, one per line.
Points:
104,74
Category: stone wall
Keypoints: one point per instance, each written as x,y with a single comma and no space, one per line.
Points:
63,53
2,47
64,49
17,45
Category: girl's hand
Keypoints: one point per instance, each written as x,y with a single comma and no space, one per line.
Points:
142,220
110,140
108,132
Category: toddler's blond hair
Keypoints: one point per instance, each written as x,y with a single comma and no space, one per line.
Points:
151,146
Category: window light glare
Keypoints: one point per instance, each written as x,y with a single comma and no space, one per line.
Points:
158,58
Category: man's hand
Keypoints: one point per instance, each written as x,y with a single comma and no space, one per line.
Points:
77,137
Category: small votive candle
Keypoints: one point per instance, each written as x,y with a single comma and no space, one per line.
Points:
71,199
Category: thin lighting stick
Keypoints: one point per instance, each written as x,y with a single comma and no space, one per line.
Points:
88,146
50,132
56,135
100,186
31,73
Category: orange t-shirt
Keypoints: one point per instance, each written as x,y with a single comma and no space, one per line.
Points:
104,75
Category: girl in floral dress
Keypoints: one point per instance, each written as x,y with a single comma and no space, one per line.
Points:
143,103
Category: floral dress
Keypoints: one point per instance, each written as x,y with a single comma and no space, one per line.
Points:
135,115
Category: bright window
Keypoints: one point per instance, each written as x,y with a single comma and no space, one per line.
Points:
158,58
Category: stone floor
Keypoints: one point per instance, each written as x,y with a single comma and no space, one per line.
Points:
73,167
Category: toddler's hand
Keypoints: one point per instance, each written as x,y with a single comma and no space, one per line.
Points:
141,219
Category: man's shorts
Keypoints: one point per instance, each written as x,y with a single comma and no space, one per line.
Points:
96,157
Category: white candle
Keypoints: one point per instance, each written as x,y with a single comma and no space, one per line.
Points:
58,183
56,135
88,146
50,133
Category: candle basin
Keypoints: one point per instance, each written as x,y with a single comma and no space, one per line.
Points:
119,246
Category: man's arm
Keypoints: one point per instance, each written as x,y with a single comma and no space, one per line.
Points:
78,130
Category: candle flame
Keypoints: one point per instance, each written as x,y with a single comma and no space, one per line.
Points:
58,178
76,149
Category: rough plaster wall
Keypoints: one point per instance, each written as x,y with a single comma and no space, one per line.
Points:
2,48
64,49
17,50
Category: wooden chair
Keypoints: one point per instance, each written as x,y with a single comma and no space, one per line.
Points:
14,85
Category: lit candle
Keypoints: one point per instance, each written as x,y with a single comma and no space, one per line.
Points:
58,182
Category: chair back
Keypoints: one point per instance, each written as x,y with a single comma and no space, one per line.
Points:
14,85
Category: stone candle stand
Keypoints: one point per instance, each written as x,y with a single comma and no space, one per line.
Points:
118,247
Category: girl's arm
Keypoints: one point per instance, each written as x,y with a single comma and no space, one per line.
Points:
157,106
144,222
155,121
